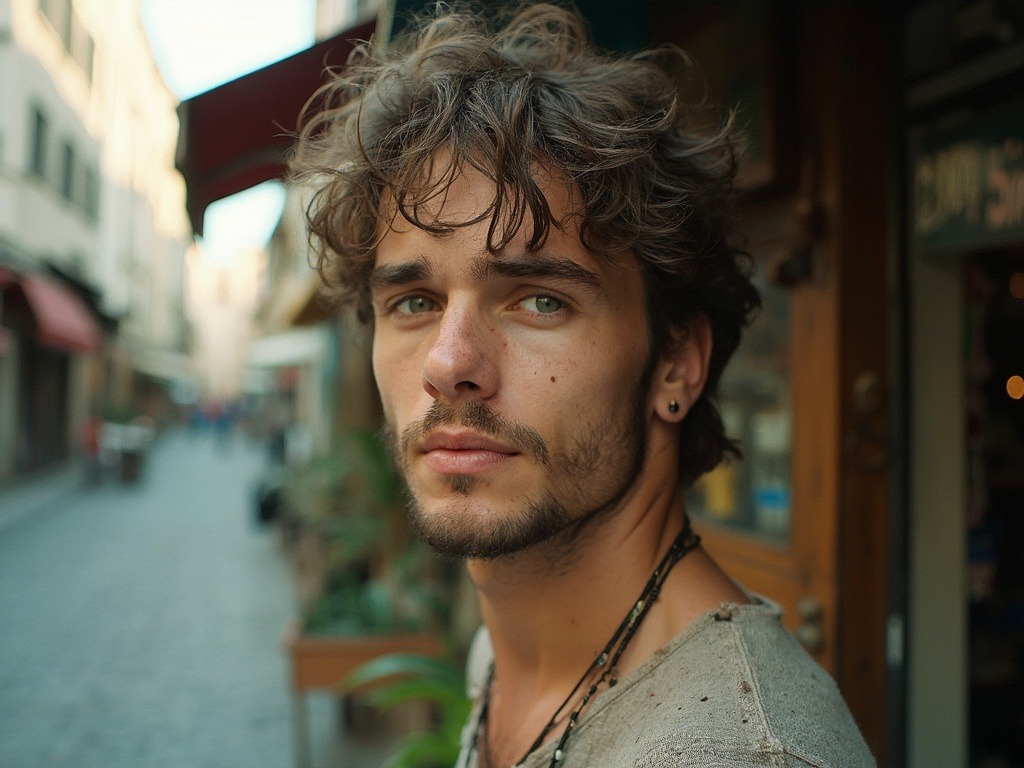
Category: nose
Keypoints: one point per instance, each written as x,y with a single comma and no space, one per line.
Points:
461,359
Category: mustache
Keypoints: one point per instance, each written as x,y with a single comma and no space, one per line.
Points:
476,415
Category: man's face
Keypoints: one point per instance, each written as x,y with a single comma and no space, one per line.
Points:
511,382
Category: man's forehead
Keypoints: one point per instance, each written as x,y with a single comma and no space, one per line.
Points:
482,236
450,193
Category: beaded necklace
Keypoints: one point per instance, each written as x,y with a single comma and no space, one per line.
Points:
606,661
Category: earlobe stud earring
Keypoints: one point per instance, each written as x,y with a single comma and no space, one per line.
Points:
673,406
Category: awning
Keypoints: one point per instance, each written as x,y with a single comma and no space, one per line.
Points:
236,135
297,301
90,296
299,346
62,319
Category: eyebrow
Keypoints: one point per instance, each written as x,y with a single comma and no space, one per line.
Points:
399,274
489,267
538,265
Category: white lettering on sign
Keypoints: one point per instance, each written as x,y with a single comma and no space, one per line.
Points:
948,186
970,185
1006,183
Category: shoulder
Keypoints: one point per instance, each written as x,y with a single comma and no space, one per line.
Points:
793,701
735,689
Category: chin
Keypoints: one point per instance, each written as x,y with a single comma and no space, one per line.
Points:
472,529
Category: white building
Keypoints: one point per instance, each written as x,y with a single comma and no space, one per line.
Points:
92,210
221,302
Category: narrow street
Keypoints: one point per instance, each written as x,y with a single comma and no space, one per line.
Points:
140,625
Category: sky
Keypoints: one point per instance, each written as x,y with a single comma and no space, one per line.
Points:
199,44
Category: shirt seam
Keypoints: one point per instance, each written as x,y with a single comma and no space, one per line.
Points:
770,743
813,762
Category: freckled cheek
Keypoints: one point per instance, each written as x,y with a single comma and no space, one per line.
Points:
579,386
550,385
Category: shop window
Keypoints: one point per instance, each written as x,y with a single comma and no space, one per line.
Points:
994,366
754,495
40,140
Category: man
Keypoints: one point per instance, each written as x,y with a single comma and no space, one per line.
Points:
541,240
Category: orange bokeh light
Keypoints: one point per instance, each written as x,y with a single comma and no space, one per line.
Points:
1015,387
1017,285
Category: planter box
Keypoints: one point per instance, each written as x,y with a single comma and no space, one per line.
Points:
321,662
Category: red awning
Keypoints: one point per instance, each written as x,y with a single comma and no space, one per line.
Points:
62,319
236,135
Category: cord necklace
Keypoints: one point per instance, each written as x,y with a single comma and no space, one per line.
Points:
606,661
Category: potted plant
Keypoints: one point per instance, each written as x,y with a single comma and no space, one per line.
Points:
400,678
367,587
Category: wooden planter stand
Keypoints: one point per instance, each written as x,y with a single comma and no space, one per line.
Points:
321,662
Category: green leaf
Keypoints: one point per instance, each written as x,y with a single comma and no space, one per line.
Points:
454,718
415,677
405,664
424,751
415,690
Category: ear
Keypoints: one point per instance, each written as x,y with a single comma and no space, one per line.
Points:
682,370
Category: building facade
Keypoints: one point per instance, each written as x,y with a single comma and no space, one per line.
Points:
92,225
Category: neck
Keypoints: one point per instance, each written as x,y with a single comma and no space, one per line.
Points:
550,612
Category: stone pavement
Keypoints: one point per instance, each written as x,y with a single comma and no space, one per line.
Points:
140,624
41,494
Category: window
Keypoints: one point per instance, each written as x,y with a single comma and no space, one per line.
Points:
77,41
51,9
67,29
91,194
88,54
81,48
40,138
67,178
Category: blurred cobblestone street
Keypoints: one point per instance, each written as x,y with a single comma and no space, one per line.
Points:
140,624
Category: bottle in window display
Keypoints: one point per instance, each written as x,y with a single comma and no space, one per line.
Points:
771,441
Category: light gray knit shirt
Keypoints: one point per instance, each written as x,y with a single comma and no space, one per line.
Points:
733,690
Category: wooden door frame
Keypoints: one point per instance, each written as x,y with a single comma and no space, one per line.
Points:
842,338
841,344
855,68
839,551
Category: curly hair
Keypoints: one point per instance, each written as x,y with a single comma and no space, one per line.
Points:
506,98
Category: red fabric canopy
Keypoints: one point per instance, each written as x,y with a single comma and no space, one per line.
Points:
62,319
236,135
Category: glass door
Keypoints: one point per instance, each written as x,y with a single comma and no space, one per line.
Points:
994,381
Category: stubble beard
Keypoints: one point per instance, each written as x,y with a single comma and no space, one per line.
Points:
583,484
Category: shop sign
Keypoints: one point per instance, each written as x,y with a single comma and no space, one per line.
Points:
968,185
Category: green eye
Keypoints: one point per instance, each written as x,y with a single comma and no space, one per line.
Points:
545,305
416,304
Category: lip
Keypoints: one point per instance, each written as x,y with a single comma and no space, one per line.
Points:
463,440
464,452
